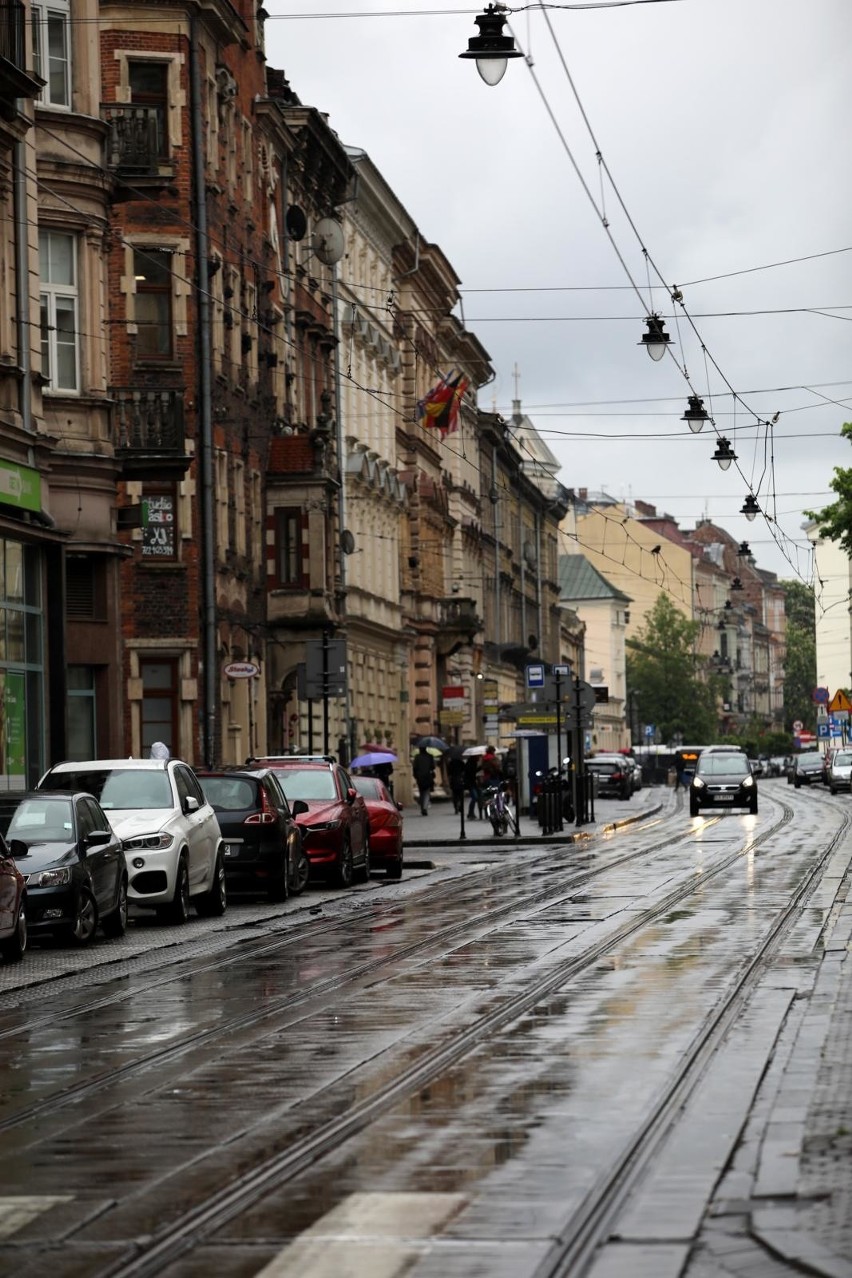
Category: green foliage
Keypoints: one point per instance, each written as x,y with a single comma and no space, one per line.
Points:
800,672
665,673
834,522
756,741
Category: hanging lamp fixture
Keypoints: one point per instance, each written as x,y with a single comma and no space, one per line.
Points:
696,414
491,49
724,454
656,339
750,508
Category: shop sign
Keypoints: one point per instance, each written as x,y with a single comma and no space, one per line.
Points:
19,486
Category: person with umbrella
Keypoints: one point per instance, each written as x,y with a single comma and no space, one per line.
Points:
424,776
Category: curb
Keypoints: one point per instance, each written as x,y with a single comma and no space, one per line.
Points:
531,840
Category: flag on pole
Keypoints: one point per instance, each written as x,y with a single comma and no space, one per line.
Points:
440,407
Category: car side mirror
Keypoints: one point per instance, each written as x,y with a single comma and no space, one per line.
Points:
190,804
97,838
298,806
351,795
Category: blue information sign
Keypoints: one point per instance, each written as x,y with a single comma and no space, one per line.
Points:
650,729
823,729
535,676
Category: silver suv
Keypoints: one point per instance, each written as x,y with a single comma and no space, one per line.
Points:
172,842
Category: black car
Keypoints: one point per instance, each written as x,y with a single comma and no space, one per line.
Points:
263,843
808,769
73,863
722,780
614,776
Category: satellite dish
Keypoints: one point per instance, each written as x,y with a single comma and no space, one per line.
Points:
328,240
296,223
347,542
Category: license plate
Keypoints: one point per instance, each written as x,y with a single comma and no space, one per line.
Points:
232,849
725,798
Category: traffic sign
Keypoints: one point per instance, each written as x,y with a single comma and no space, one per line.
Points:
650,730
840,701
535,675
562,671
823,729
820,696
797,727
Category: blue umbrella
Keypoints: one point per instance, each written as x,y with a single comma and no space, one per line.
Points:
373,758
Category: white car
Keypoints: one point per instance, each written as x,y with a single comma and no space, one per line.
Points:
172,842
840,771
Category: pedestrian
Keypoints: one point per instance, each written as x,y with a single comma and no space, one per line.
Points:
471,767
424,776
383,772
455,776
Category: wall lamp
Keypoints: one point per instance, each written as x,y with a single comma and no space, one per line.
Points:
491,49
656,339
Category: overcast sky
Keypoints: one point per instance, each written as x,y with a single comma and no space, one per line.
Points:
724,125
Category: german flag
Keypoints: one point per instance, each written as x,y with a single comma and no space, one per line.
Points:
440,408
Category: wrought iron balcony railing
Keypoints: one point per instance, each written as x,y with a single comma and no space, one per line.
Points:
147,421
134,141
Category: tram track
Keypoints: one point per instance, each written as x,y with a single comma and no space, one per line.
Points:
221,1207
292,1002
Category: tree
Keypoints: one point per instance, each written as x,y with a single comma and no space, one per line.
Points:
664,672
800,670
834,522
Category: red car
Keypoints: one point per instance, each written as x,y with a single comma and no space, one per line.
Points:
385,825
335,828
13,908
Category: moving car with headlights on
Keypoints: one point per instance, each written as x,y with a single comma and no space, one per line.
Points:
722,779
262,841
807,769
172,842
73,865
13,907
385,816
335,828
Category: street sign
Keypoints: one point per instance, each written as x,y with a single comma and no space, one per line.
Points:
797,727
823,729
562,671
820,696
650,730
535,675
840,701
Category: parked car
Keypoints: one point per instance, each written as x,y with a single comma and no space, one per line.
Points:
262,841
613,775
840,771
13,907
756,765
722,779
172,842
385,816
73,865
808,769
335,828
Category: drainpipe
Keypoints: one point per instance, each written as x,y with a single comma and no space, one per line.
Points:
22,292
205,404
495,498
538,594
341,496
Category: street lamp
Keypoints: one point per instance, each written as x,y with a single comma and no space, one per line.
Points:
656,339
491,49
724,454
750,508
696,414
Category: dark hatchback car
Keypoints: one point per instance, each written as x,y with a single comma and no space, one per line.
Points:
722,780
808,769
335,828
614,776
13,907
263,843
73,864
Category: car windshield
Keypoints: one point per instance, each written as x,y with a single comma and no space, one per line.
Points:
42,821
843,757
603,765
810,762
727,765
229,794
308,783
368,786
117,789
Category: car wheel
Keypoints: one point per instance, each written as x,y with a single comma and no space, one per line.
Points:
177,911
833,789
85,922
115,923
797,784
14,947
364,872
303,873
394,869
693,807
212,904
344,875
279,886
752,807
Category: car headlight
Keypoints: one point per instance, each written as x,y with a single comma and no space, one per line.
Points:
59,877
698,783
748,781
149,842
326,825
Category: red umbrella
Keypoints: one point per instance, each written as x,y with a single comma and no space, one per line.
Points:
369,746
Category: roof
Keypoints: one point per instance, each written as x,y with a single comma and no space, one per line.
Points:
579,580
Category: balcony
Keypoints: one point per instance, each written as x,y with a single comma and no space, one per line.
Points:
459,624
15,80
148,432
134,144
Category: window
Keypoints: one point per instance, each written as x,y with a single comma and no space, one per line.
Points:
152,270
58,267
82,742
51,51
159,704
288,548
149,87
